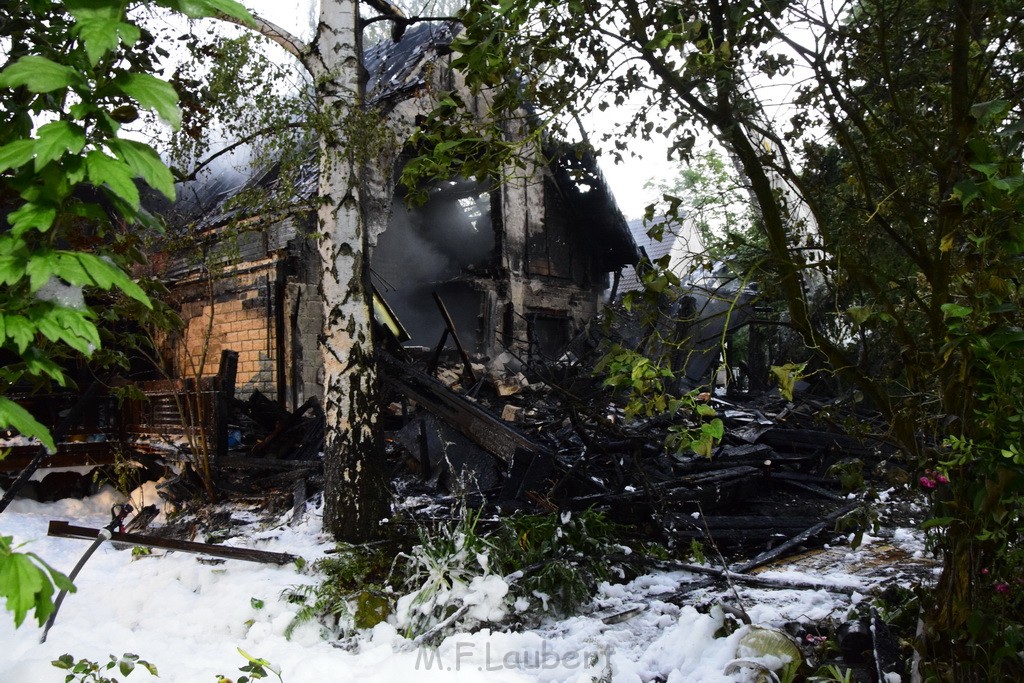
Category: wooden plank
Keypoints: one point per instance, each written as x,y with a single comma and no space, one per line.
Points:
64,530
71,454
467,365
239,462
781,549
486,430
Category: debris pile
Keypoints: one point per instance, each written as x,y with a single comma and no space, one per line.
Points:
773,483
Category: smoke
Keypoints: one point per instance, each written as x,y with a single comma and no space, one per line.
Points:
430,248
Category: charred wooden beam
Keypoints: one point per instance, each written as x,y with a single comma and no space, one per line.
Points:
449,324
801,538
64,530
244,463
807,486
694,487
737,578
484,429
280,439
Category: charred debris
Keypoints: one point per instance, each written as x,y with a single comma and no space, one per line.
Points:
543,436
518,435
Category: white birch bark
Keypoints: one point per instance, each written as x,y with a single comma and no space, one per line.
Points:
355,495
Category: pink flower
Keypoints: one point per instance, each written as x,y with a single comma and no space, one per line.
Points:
927,482
942,479
984,571
1002,587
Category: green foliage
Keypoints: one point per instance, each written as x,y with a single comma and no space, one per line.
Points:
708,197
697,551
787,376
350,594
74,71
646,388
439,570
562,555
28,583
88,671
69,202
832,674
850,474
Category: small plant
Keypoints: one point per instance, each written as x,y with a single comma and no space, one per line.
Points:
440,571
351,594
832,674
562,556
646,388
86,670
256,669
697,551
850,474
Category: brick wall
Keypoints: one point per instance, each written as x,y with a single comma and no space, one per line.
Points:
243,321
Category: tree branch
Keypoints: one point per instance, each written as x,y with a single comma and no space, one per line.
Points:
293,44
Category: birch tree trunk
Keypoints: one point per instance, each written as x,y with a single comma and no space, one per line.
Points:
355,491
356,497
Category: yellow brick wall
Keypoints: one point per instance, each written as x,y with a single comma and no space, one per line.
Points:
240,323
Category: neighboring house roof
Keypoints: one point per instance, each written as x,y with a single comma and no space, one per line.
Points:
678,240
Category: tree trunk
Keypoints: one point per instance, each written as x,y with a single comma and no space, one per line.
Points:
355,491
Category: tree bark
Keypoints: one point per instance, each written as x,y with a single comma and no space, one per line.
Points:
355,491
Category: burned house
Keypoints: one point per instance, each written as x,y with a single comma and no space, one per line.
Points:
520,265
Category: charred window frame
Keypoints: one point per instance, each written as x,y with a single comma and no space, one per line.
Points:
549,332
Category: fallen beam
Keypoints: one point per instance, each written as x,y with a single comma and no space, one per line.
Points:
485,430
64,530
801,538
742,579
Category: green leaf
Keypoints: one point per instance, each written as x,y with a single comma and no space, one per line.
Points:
115,174
99,35
146,163
106,275
71,327
130,33
31,217
126,665
956,311
230,8
40,267
966,191
986,112
715,429
937,521
988,170
20,330
55,138
39,75
208,8
38,364
16,154
704,410
15,417
12,268
153,93
859,314
20,581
